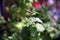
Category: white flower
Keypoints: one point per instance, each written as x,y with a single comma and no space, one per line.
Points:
40,27
7,8
52,35
10,37
32,19
38,20
14,5
31,0
2,19
19,25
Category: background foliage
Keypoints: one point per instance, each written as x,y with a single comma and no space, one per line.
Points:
28,24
